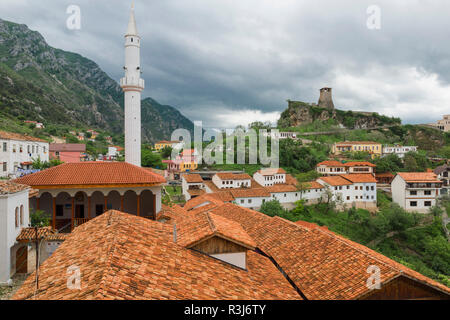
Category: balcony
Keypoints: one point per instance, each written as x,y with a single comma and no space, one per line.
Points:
131,82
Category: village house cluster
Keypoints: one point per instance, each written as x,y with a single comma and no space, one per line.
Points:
129,245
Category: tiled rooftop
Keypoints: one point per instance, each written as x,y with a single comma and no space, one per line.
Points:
92,173
426,177
8,187
123,256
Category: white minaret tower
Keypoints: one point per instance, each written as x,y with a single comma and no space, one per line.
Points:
132,85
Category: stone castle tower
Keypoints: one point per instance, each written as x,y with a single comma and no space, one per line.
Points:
132,85
326,100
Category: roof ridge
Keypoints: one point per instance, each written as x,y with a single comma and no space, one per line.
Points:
111,248
211,223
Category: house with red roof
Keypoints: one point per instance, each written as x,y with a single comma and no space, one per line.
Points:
68,152
333,167
416,191
74,193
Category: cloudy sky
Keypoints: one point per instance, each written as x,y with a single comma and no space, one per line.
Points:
232,62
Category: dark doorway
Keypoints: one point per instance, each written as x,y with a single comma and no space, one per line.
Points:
98,209
79,211
22,260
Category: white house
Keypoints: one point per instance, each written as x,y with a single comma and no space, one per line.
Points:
270,176
14,215
192,185
416,191
400,151
251,198
352,189
19,151
228,180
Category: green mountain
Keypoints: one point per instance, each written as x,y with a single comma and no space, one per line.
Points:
67,91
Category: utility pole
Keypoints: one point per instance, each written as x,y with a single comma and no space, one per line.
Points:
37,257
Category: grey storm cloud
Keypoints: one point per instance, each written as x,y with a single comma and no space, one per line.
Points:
232,62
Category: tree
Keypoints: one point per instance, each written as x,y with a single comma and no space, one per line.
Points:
151,159
272,208
391,163
166,152
39,218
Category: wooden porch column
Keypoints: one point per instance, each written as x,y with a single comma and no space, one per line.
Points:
73,211
138,204
106,203
154,206
38,203
89,207
121,202
54,213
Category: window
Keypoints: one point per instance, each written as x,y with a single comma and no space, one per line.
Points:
20,148
348,187
17,217
5,166
249,200
32,149
348,197
59,210
28,149
372,188
285,195
413,192
367,188
427,203
14,148
242,200
21,215
413,203
427,192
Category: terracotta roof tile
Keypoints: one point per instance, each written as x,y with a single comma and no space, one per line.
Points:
277,188
290,179
123,256
360,177
312,185
199,227
419,176
193,178
7,187
271,171
250,193
29,234
233,176
16,136
322,264
359,164
330,163
92,173
335,181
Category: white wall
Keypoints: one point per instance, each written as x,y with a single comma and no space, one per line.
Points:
9,232
252,203
269,180
14,159
230,184
185,187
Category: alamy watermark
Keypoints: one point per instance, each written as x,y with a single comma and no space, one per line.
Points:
230,146
374,17
73,22
374,281
74,278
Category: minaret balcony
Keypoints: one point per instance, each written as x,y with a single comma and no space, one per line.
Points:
132,83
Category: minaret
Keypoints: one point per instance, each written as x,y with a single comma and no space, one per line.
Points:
132,85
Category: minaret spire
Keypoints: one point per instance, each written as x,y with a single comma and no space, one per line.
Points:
132,85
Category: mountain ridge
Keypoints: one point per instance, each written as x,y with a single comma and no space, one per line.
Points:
65,89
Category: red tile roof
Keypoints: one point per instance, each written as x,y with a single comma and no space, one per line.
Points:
312,185
335,181
425,177
277,188
29,234
271,171
196,192
16,136
359,164
291,179
202,226
123,256
360,177
214,198
92,173
8,187
320,263
233,176
193,178
330,163
249,193
356,142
